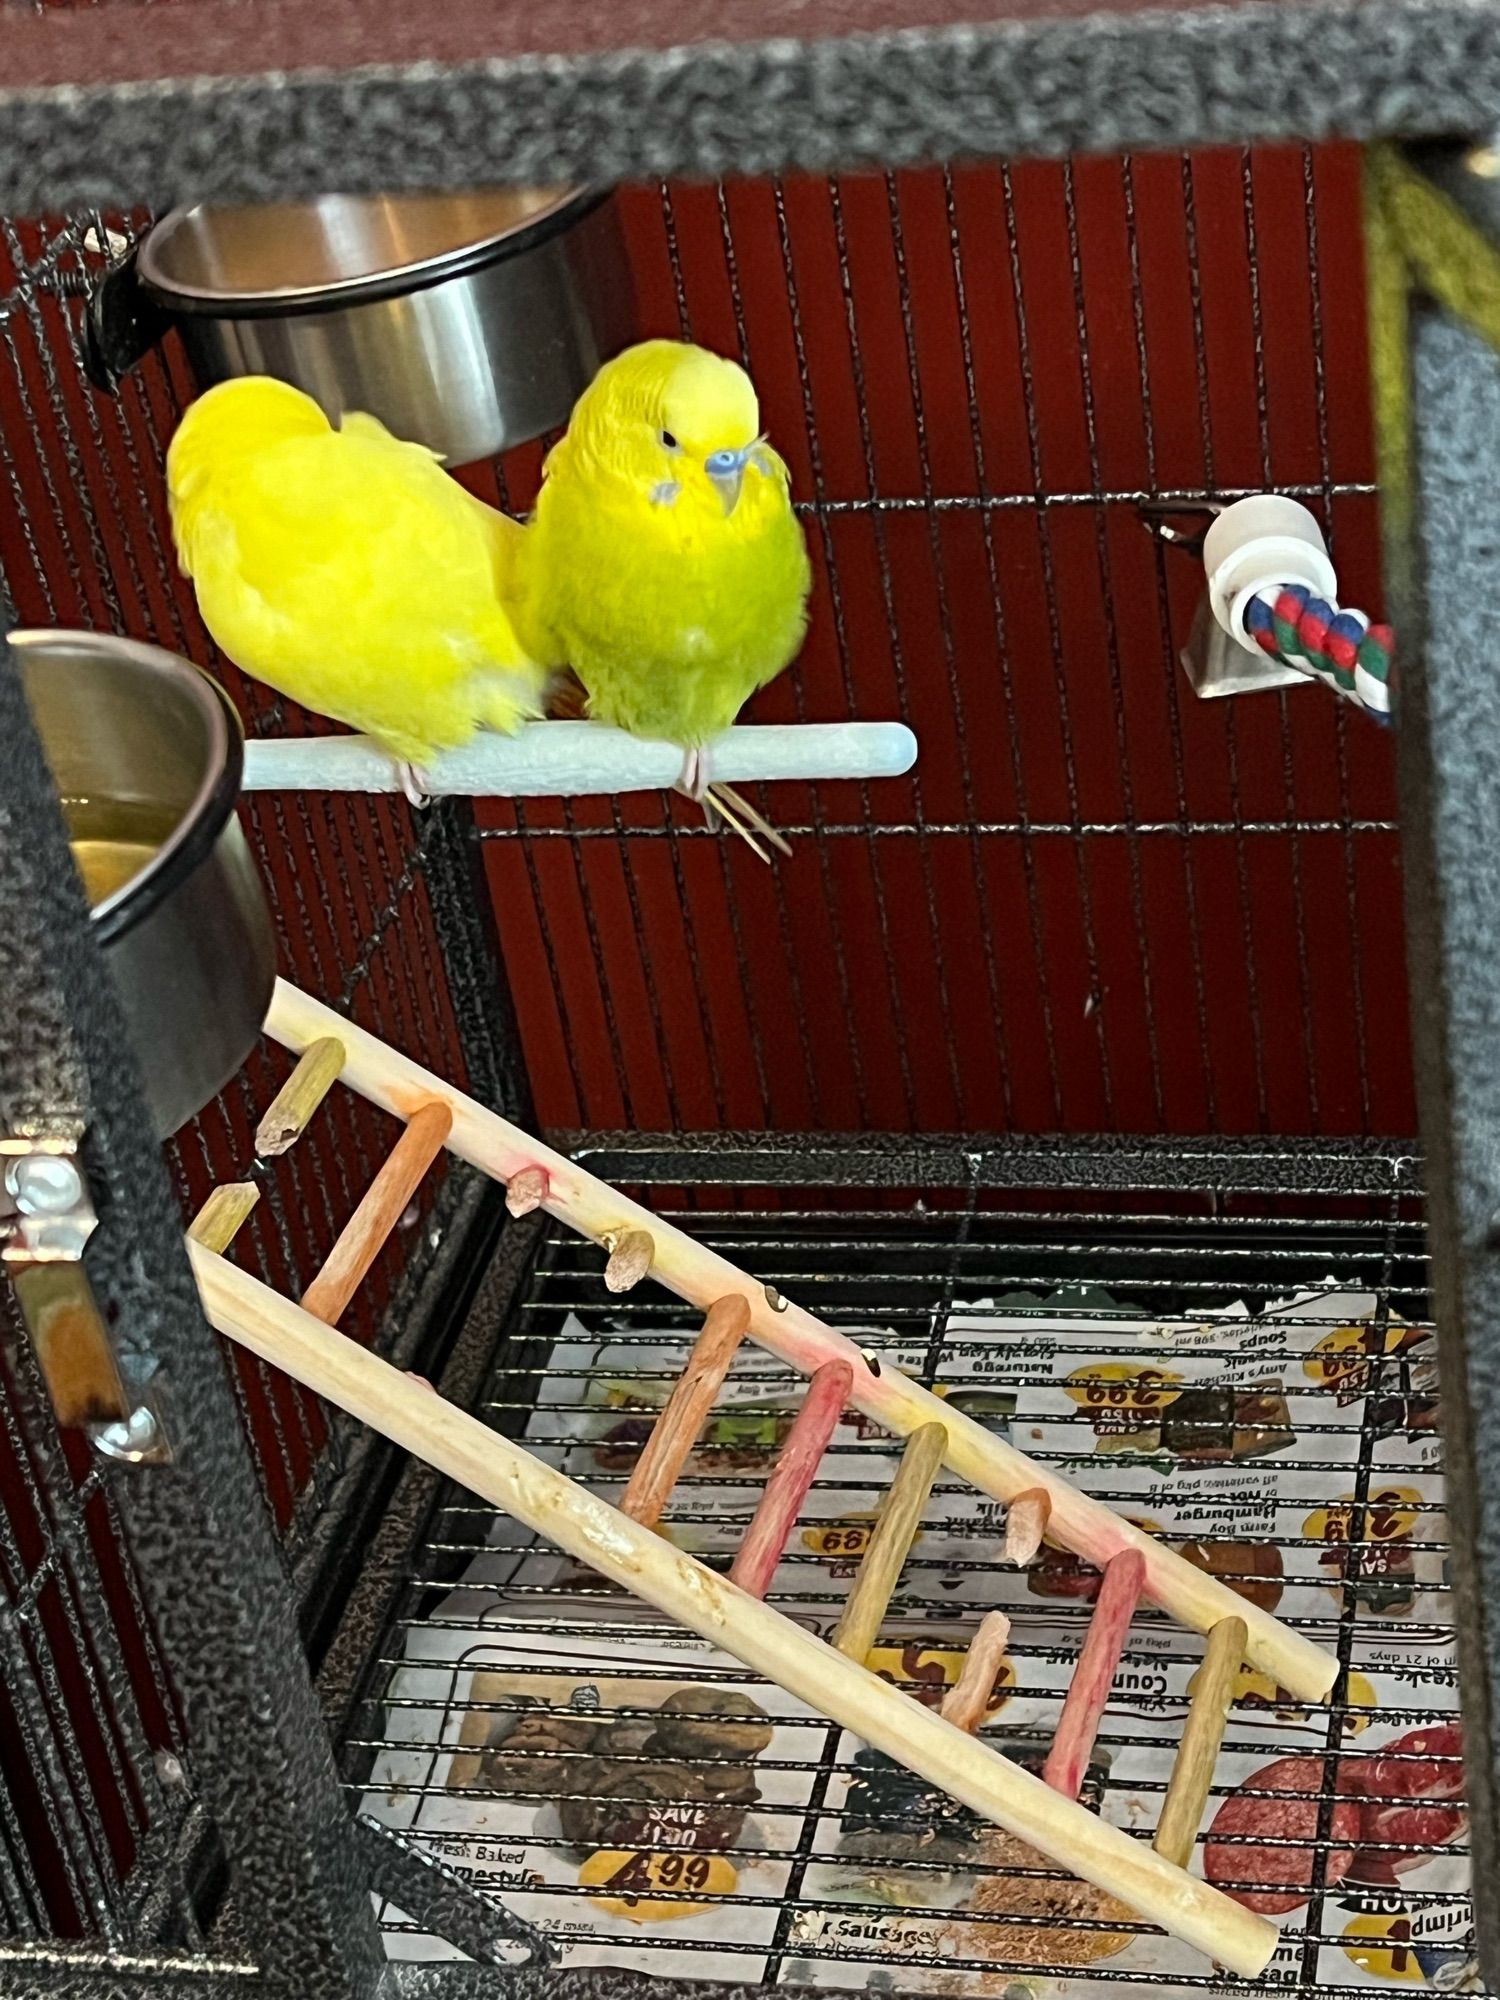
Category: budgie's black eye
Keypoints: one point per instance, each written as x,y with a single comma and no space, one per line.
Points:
669,441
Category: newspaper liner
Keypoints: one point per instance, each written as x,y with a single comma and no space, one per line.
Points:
1190,1427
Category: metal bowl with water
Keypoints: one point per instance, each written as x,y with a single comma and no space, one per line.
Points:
147,754
469,322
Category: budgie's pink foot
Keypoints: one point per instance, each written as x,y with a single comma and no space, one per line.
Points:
693,782
414,785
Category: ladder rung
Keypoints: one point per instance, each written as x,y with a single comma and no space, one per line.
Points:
1193,1767
1026,1521
967,1701
631,1256
384,1204
794,1471
1094,1676
895,1530
291,1109
224,1215
675,1431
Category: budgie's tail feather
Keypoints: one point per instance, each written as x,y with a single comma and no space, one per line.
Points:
566,699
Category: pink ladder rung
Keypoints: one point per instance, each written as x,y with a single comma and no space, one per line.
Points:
793,1473
1093,1677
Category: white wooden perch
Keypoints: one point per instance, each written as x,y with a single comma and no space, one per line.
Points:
552,759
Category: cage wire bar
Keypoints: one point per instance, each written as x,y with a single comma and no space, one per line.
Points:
1277,1223
239,1758
95,1725
364,888
919,502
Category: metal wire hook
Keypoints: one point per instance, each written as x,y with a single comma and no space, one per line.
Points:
1157,516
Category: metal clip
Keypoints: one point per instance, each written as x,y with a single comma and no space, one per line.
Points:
44,1204
140,1440
46,1220
1158,516
1216,665
1212,661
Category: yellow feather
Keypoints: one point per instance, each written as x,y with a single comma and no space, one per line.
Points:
671,604
347,570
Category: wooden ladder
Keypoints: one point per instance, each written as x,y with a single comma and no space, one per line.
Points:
621,1542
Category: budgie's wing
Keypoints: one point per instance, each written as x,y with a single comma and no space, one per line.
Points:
360,424
349,571
501,535
504,541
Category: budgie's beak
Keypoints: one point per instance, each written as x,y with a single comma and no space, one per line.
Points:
727,471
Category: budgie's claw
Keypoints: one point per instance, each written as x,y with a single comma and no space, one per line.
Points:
718,794
414,785
713,802
736,811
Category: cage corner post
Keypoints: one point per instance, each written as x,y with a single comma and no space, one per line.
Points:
1434,246
258,1760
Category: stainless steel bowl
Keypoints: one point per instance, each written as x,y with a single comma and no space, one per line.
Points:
469,322
147,754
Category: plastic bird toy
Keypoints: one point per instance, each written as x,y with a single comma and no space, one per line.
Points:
346,570
664,564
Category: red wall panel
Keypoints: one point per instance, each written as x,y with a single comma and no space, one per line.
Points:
1097,903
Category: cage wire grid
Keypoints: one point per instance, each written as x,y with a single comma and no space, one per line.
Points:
899,1271
100,1829
1087,875
974,422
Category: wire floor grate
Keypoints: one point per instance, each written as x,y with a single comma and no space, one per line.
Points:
803,1899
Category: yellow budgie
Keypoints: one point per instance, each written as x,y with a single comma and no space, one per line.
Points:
664,564
347,570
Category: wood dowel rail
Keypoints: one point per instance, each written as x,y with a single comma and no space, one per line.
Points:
1025,1524
291,1110
967,1701
225,1213
385,1202
1093,1677
1193,1767
889,1545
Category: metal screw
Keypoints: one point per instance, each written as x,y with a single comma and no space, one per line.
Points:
44,1184
169,1769
138,1438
